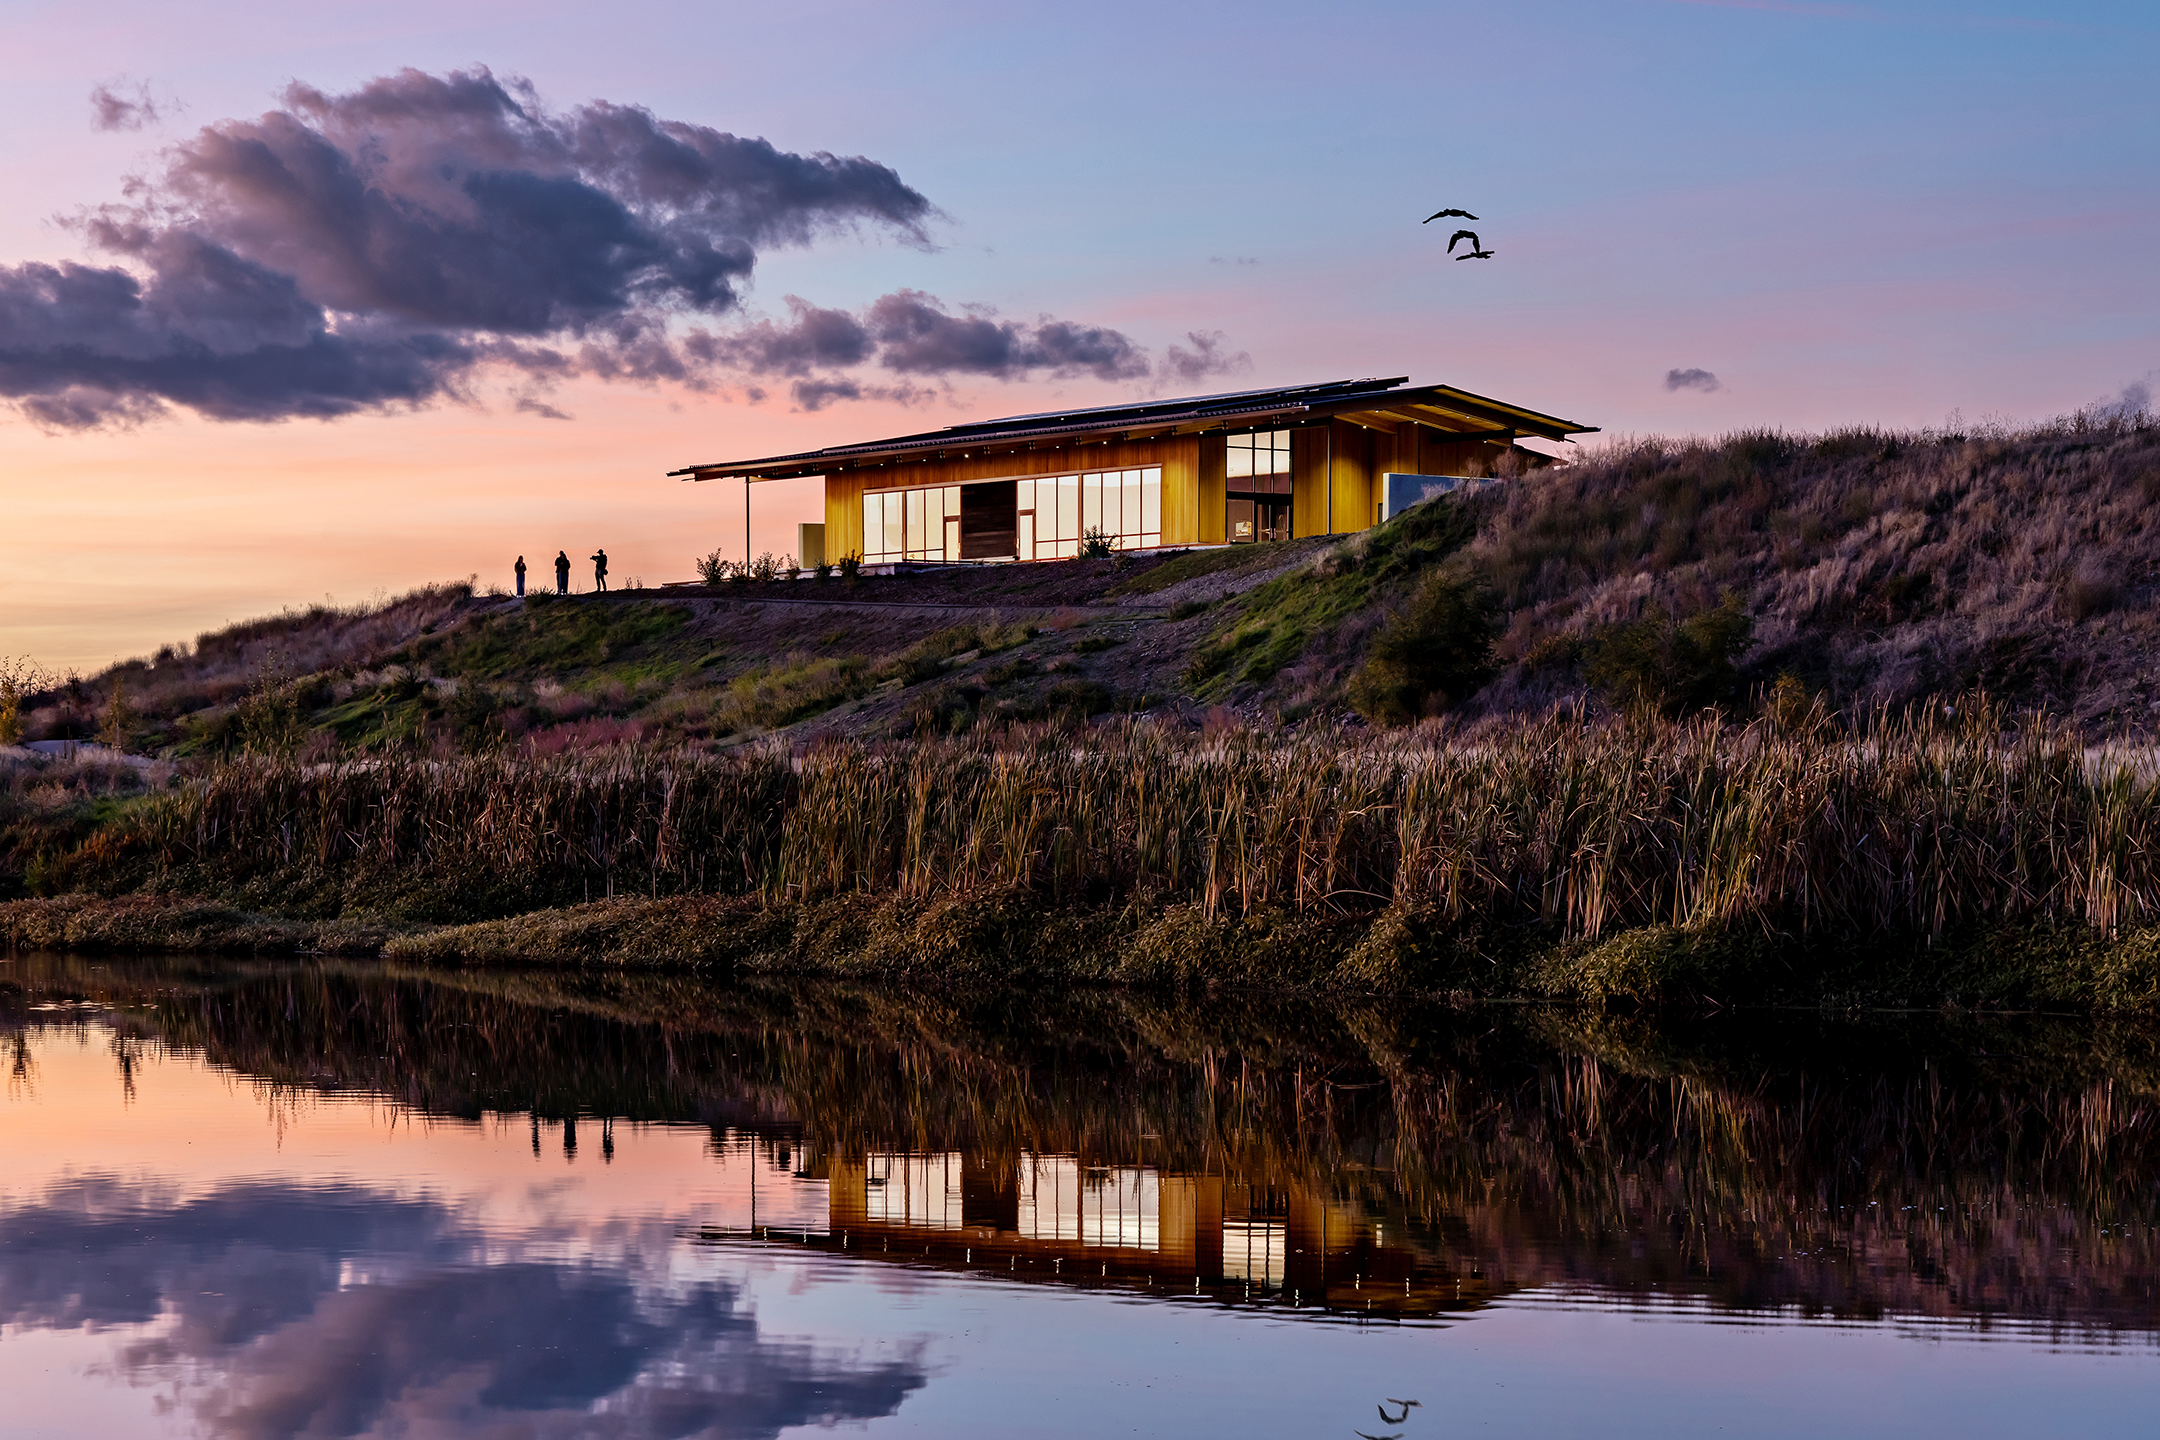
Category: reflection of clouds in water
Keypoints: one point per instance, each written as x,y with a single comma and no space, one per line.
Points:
274,1338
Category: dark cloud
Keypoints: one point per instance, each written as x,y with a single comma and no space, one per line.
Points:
1207,357
818,391
1701,380
817,394
380,249
250,1294
358,251
916,335
814,338
125,105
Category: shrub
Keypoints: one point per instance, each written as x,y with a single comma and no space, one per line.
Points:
1659,663
712,569
19,679
1079,697
850,566
1433,653
1095,545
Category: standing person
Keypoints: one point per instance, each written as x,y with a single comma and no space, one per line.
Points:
562,572
521,575
599,570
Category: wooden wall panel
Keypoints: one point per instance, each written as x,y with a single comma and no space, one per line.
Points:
1344,498
1308,452
843,516
1353,483
1209,517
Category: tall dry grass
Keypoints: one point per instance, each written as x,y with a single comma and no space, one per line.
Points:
1920,821
1882,566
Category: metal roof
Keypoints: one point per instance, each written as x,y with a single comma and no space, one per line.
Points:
1439,407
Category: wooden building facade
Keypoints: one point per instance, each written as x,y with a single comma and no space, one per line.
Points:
1201,470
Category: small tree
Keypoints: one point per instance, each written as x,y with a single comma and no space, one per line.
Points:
712,569
850,566
1095,545
119,724
1433,653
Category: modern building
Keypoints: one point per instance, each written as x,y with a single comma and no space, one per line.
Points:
1202,470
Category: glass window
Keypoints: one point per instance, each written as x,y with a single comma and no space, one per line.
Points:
893,508
1068,529
1090,503
1024,495
1151,502
1240,455
1026,536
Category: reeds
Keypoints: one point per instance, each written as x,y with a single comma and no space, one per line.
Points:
1919,822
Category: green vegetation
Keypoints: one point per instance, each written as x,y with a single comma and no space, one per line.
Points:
789,690
1435,652
1671,665
1275,623
624,642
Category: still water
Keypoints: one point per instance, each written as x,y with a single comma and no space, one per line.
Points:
321,1200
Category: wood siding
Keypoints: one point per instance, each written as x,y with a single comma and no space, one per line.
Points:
1349,508
1193,477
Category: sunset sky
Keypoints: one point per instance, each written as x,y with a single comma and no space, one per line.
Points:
1844,213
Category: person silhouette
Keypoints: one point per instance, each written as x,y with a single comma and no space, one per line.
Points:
599,570
562,572
521,575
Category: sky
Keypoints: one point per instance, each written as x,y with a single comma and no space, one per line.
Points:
552,252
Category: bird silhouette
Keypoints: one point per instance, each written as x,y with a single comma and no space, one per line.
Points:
1461,235
1438,214
1363,1436
1387,1419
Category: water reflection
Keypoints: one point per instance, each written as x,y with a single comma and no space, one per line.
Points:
1405,1168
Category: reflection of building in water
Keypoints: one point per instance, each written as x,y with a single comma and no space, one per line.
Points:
1058,1217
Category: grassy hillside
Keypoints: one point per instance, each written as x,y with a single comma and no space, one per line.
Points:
1862,568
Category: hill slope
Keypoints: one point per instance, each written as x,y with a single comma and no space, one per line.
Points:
1869,567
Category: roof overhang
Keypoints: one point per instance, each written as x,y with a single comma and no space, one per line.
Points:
1376,404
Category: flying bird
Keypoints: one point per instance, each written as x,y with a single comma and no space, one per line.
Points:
1363,1436
1438,214
1387,1419
1477,246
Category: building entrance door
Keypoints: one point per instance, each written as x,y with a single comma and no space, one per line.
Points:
1258,517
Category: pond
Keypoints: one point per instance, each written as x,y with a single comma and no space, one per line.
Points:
271,1199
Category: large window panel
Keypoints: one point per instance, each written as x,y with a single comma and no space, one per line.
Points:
1051,514
1068,531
